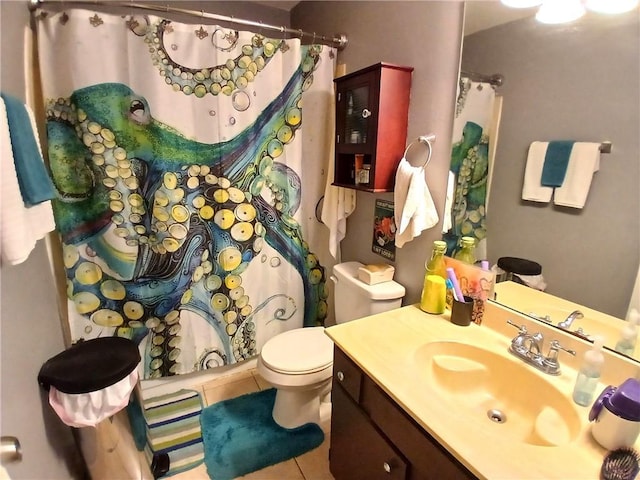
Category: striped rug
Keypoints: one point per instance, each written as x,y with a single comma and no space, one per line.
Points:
173,427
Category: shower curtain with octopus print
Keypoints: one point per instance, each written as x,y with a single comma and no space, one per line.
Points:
177,151
470,163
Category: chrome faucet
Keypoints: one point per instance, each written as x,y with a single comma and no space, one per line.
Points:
525,344
566,323
528,347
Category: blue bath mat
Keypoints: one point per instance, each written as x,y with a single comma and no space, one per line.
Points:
240,436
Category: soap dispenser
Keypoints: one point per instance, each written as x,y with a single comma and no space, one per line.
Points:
629,334
589,374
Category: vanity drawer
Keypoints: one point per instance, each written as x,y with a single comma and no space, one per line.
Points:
346,374
427,459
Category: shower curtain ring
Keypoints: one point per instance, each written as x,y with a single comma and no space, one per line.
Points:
301,33
314,38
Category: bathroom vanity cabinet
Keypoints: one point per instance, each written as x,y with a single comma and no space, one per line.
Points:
373,438
372,108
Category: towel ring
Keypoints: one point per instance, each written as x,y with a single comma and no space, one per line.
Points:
426,139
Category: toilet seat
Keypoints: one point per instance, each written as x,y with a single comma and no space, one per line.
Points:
299,351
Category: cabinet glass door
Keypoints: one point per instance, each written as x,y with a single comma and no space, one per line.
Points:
357,114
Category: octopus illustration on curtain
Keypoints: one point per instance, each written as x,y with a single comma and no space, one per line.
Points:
158,227
470,164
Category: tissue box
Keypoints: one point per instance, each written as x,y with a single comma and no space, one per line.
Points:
372,274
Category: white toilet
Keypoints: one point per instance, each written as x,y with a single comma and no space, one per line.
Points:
299,362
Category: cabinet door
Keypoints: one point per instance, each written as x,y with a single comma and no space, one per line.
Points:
428,459
357,113
346,374
356,129
358,451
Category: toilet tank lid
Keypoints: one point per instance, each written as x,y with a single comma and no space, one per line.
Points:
348,272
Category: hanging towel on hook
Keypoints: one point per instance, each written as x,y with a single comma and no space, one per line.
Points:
34,181
338,202
414,209
20,226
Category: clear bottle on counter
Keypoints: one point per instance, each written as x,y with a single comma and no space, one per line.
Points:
434,290
467,252
589,374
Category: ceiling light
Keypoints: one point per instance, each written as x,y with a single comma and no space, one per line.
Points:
521,3
560,11
611,6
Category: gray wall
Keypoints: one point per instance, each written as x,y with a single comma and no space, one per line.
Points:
581,82
425,35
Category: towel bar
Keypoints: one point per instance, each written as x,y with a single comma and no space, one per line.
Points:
427,140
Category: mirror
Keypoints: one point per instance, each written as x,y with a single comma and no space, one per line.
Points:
577,81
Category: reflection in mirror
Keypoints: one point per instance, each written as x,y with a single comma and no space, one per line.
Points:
578,320
578,81
474,129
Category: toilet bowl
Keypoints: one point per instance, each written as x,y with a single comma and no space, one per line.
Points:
299,362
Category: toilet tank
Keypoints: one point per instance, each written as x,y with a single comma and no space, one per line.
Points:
355,299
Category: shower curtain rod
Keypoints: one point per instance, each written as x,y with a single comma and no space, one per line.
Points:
497,79
339,40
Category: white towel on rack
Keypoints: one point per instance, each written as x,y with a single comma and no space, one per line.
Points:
584,161
532,189
20,227
414,209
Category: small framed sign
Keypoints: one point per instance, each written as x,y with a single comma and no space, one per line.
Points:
384,230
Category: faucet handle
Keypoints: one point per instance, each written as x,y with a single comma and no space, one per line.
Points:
554,346
551,361
522,328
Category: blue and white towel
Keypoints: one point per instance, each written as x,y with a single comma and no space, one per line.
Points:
583,162
20,226
34,181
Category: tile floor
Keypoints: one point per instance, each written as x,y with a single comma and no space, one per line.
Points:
313,465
